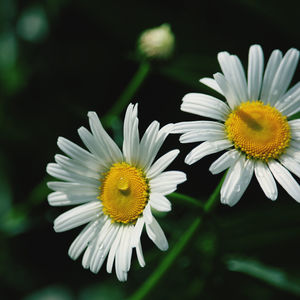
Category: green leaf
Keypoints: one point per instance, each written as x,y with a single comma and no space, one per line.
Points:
270,275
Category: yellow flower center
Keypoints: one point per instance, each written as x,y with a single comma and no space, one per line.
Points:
124,193
258,130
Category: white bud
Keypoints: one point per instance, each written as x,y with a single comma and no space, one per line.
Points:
157,43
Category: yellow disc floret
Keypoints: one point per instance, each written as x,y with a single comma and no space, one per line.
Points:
258,130
124,192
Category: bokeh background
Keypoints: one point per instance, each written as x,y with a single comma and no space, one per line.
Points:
61,58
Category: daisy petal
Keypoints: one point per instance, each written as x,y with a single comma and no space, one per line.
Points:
283,75
77,216
147,144
136,234
162,163
271,69
147,214
206,148
160,202
56,170
204,105
184,127
202,135
290,163
83,239
212,84
255,71
228,91
139,254
295,129
166,183
113,250
103,139
285,179
62,199
236,181
225,161
265,179
289,103
156,234
77,153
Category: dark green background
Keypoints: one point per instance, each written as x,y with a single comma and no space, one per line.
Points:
81,58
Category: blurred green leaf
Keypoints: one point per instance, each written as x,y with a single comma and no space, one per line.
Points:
33,25
102,291
270,275
51,293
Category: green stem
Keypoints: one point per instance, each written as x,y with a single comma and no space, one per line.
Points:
167,262
127,94
209,205
185,199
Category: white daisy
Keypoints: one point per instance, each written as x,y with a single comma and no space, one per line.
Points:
118,191
253,126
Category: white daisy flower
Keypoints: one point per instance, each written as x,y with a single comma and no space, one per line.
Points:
118,191
253,126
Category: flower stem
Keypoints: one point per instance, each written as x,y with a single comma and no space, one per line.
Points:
127,94
167,262
185,199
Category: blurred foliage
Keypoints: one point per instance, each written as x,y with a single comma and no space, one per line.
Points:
60,59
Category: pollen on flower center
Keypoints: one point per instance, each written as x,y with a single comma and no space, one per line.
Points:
258,130
124,193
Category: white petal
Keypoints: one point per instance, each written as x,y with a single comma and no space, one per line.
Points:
139,254
291,164
167,182
137,231
228,90
69,187
206,148
157,235
63,199
234,74
83,239
289,103
224,161
285,179
236,181
56,171
131,135
295,129
212,84
123,255
271,69
162,163
294,150
74,167
241,84
255,71
113,249
203,135
184,127
204,105
283,75
147,214
148,144
265,179
96,147
77,216
161,136
78,153
103,139
160,202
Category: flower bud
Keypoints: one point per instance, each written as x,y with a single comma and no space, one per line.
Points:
157,43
